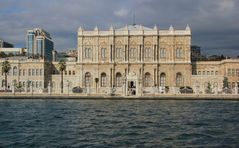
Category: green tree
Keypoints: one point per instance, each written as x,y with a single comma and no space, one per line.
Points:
5,68
10,54
209,87
2,55
62,68
225,82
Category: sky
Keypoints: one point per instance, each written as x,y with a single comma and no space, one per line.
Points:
214,23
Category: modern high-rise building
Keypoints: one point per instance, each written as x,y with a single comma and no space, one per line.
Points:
39,44
4,44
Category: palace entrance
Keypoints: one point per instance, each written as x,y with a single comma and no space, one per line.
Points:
132,85
131,88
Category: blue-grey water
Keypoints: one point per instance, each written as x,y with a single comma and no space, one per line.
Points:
118,123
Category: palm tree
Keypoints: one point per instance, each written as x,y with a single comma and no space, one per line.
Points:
96,82
5,68
62,67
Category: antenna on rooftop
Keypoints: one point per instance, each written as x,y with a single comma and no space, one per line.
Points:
134,18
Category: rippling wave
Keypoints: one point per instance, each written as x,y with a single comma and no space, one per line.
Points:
118,123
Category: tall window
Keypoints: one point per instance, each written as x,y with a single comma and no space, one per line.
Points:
179,53
14,71
132,52
179,80
118,80
29,72
23,72
87,52
229,72
233,72
33,72
103,80
238,72
40,72
37,72
162,79
119,53
162,53
147,53
103,53
87,79
147,79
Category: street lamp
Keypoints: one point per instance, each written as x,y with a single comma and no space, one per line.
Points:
68,86
197,85
30,85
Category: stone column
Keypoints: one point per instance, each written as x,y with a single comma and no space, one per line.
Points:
13,88
49,88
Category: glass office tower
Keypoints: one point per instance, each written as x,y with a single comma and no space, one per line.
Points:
39,44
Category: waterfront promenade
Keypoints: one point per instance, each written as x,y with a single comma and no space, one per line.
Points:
148,97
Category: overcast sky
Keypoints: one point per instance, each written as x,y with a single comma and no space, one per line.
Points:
214,23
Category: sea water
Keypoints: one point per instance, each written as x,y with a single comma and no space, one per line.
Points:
118,123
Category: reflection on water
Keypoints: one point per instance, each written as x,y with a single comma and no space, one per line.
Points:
118,123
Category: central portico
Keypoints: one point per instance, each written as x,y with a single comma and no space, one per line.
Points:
132,85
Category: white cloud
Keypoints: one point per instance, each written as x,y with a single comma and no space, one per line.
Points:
226,4
121,12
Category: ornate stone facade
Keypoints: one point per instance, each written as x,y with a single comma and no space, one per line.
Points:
157,58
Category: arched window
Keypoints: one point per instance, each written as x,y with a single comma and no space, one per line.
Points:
147,53
179,53
147,79
132,52
179,79
118,80
40,84
88,53
162,79
87,79
14,71
20,72
103,80
119,53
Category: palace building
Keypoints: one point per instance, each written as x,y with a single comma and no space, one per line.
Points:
135,61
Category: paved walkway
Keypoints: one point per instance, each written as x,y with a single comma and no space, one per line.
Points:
152,97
